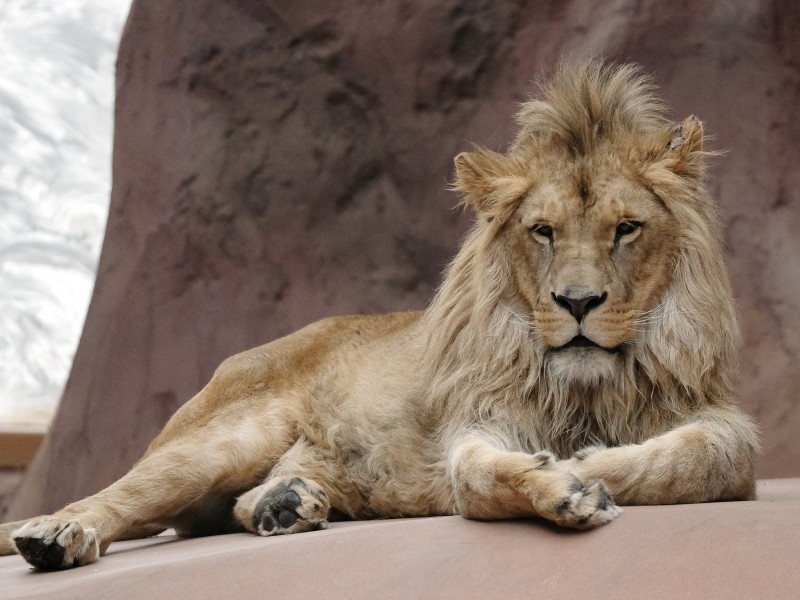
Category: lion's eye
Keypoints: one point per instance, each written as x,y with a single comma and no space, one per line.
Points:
626,228
543,231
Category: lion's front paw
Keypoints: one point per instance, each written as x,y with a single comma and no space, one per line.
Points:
287,505
50,543
585,506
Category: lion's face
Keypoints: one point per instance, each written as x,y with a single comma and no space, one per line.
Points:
591,252
590,247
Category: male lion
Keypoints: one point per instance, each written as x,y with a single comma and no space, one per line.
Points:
581,347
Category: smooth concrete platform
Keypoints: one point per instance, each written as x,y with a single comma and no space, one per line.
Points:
747,550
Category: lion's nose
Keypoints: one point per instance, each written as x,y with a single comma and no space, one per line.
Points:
577,305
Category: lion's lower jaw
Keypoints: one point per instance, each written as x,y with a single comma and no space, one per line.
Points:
584,366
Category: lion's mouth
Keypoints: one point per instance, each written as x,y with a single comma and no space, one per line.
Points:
580,341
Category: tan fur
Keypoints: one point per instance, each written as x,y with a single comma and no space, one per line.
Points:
596,222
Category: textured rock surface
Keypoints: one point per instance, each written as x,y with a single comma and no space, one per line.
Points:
280,161
10,480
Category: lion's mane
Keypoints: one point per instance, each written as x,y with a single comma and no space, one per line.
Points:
483,358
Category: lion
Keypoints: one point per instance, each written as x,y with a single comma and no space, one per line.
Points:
580,354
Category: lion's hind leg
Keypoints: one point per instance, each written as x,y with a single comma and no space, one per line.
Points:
52,543
283,505
299,492
212,462
7,545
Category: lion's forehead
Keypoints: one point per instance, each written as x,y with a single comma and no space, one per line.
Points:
570,198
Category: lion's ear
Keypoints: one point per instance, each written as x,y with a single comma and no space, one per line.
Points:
490,181
685,149
677,157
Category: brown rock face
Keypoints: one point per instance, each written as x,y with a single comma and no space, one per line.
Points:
277,161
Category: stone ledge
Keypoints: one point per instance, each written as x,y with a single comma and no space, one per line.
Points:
720,550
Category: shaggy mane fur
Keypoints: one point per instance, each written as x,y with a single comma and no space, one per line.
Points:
483,354
584,102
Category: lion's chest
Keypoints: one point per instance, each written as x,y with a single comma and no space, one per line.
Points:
584,418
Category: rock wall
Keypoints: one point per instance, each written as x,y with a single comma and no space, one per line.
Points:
279,161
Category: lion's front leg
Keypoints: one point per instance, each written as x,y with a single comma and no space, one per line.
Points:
710,458
495,484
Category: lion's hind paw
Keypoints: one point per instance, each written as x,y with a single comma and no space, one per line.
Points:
286,505
49,543
587,506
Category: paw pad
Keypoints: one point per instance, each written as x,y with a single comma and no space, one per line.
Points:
291,507
48,543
